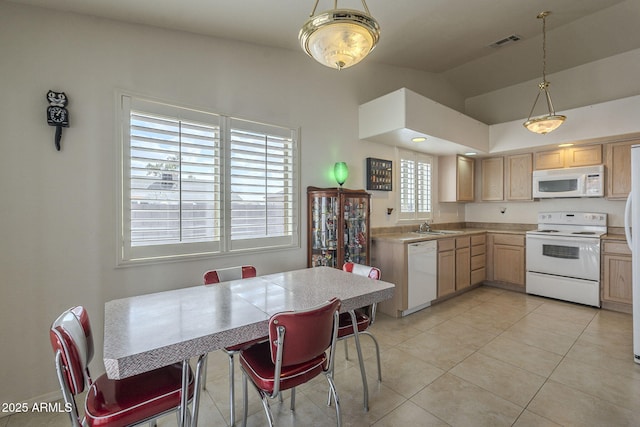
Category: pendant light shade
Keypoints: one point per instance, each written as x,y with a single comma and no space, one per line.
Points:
340,172
551,121
339,38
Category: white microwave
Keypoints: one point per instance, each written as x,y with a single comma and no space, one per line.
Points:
586,181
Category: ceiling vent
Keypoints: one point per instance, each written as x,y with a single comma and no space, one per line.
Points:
505,41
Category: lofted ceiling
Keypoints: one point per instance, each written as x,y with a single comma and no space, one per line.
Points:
448,37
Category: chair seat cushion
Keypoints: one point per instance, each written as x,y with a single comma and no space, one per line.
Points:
256,362
346,326
134,399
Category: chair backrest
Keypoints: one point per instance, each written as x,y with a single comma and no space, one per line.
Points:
72,342
362,270
231,273
307,333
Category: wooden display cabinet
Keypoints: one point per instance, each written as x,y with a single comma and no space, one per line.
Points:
338,227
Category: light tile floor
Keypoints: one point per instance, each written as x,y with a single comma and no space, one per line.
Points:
489,357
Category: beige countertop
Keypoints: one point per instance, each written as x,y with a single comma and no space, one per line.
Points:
412,236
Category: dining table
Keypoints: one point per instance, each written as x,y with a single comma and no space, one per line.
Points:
146,332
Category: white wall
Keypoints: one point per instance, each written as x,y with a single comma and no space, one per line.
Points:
58,227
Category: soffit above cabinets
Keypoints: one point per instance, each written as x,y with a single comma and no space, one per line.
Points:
396,118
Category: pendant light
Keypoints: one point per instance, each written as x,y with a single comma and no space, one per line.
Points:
551,121
339,38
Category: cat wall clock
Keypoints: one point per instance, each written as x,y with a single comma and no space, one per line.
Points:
57,114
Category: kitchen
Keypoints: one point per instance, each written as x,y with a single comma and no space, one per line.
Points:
59,235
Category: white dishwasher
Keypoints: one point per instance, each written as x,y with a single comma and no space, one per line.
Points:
422,283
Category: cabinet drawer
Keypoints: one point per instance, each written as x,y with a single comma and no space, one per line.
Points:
478,276
477,262
478,250
463,242
480,239
508,239
446,245
620,248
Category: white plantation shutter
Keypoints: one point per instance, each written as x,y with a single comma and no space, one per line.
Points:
415,185
191,188
262,186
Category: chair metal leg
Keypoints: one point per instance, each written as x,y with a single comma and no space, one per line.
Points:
267,408
293,399
195,403
245,400
204,375
346,350
334,392
375,341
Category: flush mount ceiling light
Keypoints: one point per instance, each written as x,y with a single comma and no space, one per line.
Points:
418,139
551,121
339,38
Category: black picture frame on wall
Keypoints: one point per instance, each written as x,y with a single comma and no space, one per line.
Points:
379,174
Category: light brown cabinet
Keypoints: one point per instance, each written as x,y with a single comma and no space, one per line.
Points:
507,178
463,262
518,177
456,176
478,258
616,276
618,161
391,258
492,179
446,267
587,155
506,259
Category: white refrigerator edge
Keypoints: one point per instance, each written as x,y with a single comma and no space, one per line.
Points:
632,231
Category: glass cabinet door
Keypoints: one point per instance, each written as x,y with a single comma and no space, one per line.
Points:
324,231
356,240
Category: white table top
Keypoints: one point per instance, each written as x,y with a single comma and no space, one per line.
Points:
150,331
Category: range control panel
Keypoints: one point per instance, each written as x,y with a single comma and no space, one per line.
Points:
573,218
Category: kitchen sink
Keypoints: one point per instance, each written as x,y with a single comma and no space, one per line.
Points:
437,232
447,231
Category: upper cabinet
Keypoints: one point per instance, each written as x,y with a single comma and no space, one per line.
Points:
618,164
456,176
492,179
507,178
518,177
587,155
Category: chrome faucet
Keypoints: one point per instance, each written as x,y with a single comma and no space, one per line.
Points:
425,227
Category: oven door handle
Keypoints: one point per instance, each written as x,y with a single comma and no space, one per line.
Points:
627,221
559,239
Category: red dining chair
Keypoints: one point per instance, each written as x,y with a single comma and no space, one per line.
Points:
363,318
212,277
108,402
294,354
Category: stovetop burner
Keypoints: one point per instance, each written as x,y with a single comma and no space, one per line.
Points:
584,232
547,231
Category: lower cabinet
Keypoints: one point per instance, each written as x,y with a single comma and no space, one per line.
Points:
616,276
507,259
446,267
478,258
461,263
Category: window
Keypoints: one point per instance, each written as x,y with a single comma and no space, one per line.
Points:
197,183
415,185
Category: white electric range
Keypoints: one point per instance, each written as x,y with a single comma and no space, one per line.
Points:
563,256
